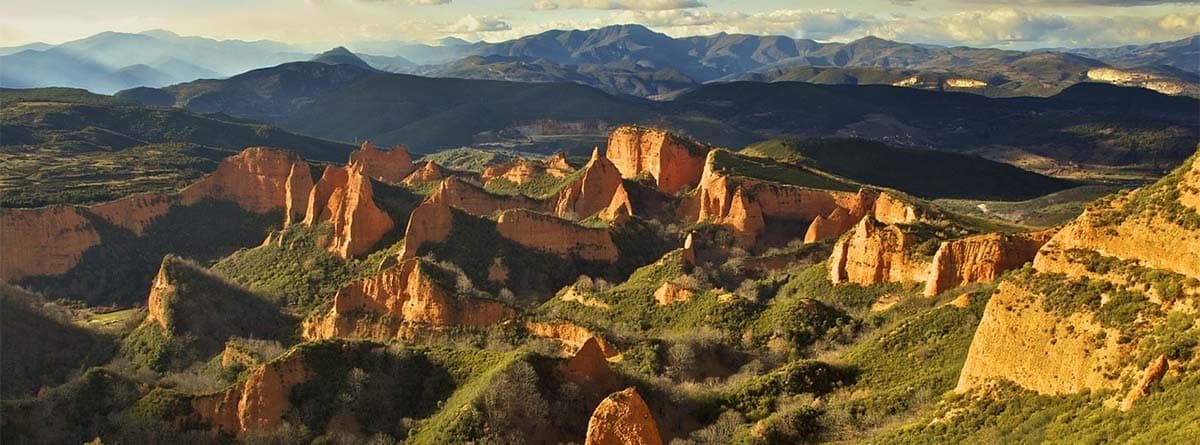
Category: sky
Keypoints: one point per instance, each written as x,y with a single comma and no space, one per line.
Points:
317,24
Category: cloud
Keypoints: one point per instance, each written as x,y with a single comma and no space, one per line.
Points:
477,24
429,2
542,5
1002,26
1074,2
616,5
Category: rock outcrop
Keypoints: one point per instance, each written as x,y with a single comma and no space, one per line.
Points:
259,402
571,335
429,223
559,162
1154,373
981,258
739,203
622,419
559,236
429,171
45,241
675,163
399,301
670,293
599,189
136,212
257,179
344,198
388,166
874,252
1045,329
589,369
455,192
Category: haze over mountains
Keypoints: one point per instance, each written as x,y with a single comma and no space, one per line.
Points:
620,59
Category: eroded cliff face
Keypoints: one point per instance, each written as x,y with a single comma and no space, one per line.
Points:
136,212
981,258
589,369
45,241
571,335
257,179
477,201
161,289
874,252
622,419
348,204
1096,297
599,189
675,163
429,171
559,236
388,166
259,402
399,302
428,223
739,203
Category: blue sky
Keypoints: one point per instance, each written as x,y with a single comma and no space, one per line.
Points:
315,24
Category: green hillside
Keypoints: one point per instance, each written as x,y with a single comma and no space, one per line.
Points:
924,173
70,146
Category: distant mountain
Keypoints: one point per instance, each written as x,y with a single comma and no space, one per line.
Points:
636,80
348,103
112,61
340,56
1181,54
36,46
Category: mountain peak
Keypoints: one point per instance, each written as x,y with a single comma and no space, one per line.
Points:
341,56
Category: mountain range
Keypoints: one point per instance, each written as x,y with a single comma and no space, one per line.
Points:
1088,124
621,59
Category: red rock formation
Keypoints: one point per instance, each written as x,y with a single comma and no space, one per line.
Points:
671,293
839,221
1154,372
1022,340
477,201
620,206
981,258
358,224
387,166
571,335
45,241
428,223
135,212
889,209
299,186
409,296
429,171
599,187
673,162
518,171
688,252
874,253
589,369
622,419
257,179
156,304
258,403
555,235
559,162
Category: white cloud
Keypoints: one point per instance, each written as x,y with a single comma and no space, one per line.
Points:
1002,26
429,2
542,5
478,24
617,5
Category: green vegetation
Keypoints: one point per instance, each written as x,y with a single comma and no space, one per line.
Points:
42,347
1046,211
474,160
1014,415
542,186
925,173
199,311
733,164
76,412
1160,199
